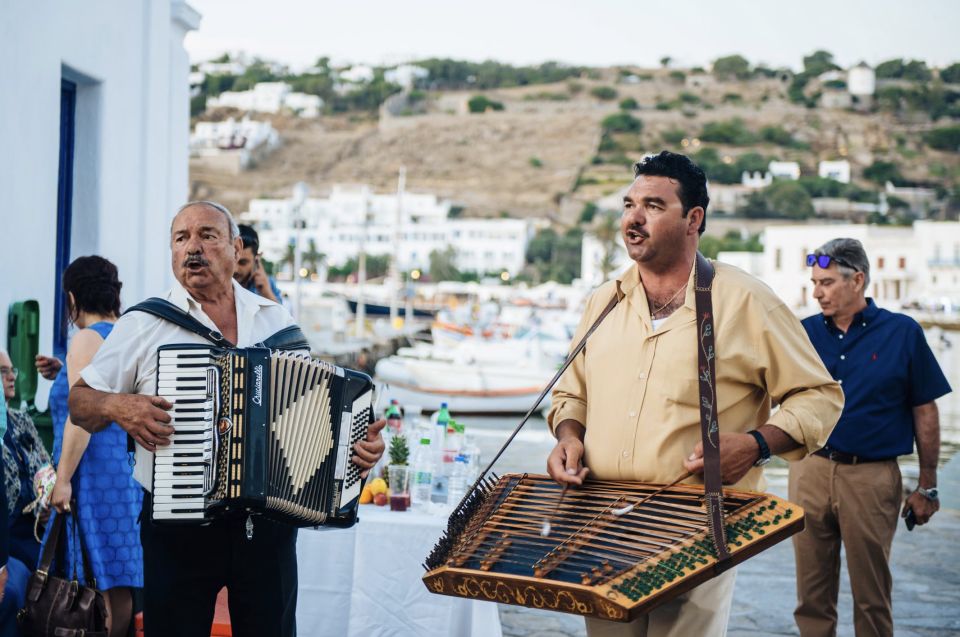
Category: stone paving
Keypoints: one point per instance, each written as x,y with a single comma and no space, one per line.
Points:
926,587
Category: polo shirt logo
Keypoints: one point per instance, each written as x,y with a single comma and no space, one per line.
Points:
873,357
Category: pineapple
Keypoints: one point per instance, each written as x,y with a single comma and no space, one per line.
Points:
399,454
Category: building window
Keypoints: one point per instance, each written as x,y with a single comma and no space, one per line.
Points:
776,259
68,104
902,263
879,263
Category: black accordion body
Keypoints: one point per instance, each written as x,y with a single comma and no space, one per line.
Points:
259,431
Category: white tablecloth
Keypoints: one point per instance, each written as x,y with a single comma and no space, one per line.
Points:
365,582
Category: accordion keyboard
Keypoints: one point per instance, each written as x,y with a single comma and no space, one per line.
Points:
183,470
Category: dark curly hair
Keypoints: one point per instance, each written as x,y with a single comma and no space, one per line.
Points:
693,183
95,286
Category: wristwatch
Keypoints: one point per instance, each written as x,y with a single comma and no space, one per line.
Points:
764,449
931,494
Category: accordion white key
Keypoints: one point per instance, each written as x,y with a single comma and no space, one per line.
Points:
259,431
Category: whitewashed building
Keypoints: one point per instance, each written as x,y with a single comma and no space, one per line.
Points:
268,97
784,170
406,75
354,217
907,264
94,117
838,170
232,145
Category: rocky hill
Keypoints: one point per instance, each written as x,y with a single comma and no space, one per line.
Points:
547,150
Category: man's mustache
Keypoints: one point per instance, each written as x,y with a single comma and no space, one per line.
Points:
195,259
638,229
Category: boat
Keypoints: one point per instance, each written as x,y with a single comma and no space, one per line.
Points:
373,308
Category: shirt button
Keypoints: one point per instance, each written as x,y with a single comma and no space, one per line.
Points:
642,375
840,381
633,414
842,357
626,454
841,336
864,324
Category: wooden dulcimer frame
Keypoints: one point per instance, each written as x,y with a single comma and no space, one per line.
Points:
602,558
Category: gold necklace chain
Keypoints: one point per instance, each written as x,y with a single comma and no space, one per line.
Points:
657,310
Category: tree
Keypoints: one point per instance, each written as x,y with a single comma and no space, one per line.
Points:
665,61
629,104
312,258
819,62
951,74
897,69
605,93
289,257
622,123
606,229
481,103
588,212
780,199
881,172
731,66
443,265
732,131
946,138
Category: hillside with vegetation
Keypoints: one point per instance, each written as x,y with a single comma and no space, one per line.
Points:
559,142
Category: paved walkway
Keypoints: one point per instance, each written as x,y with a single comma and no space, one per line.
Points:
926,587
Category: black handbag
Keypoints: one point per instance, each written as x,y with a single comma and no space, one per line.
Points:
61,607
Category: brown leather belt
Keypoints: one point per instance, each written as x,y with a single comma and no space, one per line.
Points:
845,458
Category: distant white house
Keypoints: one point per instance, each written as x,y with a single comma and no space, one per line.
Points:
862,81
245,142
269,97
838,170
232,67
406,75
756,180
784,170
357,74
95,156
353,217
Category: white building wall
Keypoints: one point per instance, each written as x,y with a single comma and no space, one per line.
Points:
130,165
838,170
861,81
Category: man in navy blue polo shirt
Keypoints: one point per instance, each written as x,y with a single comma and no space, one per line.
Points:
851,489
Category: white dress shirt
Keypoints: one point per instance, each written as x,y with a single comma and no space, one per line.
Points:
126,363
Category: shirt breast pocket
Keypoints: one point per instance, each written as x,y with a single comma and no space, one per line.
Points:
680,392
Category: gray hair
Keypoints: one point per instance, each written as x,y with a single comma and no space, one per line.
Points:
851,253
234,229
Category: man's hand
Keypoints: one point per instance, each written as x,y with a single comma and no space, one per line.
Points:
738,452
4,573
923,508
369,450
145,418
62,493
48,366
565,463
262,282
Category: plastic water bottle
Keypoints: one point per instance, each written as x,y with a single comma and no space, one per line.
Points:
440,429
457,484
424,465
394,418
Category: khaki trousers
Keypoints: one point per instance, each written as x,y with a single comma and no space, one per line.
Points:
703,611
857,505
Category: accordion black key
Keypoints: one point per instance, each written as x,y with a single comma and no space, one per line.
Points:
259,431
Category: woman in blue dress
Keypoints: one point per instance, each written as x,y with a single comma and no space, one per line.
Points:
94,470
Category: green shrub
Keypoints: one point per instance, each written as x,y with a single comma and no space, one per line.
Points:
605,93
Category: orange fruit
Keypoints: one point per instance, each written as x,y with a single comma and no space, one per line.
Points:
366,495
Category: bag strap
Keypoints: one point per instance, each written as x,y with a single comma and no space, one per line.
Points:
709,424
50,546
166,310
84,555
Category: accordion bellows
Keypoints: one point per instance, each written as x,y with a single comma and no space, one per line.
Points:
601,557
259,431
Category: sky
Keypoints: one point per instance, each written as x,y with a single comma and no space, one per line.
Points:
578,32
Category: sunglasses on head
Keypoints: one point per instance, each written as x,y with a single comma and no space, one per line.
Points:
823,260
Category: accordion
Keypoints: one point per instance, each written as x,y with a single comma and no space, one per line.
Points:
518,540
259,431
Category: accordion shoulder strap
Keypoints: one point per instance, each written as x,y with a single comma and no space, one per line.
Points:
709,424
289,338
166,310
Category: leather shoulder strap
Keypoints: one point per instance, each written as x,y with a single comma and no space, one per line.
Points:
289,338
709,423
169,312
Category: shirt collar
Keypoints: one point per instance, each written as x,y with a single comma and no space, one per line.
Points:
247,305
863,317
629,282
